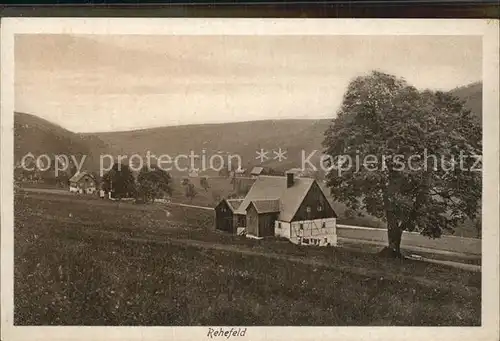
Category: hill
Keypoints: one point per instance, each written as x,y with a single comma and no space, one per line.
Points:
243,139
472,94
35,135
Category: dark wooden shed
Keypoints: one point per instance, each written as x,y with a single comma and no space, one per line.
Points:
225,217
261,215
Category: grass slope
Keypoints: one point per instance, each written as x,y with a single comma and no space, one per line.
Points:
113,265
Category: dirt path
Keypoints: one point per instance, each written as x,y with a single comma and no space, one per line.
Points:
191,206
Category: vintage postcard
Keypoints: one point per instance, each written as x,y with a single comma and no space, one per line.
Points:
249,179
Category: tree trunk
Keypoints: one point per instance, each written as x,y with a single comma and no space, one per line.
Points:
394,234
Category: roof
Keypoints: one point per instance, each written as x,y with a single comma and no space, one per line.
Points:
257,170
234,204
193,173
266,206
79,175
273,187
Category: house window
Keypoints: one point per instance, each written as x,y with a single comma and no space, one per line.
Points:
308,209
305,241
323,225
279,225
223,209
320,208
301,226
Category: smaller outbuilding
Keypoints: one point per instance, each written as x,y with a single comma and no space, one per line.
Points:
260,217
226,218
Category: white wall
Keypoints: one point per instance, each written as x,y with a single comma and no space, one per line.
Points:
283,231
312,231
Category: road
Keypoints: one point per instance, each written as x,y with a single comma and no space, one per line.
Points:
446,245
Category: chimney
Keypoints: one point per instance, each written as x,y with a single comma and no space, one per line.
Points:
289,179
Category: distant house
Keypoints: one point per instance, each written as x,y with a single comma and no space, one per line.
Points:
193,173
226,218
82,182
256,171
239,172
287,206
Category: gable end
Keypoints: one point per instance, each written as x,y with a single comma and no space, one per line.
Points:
315,205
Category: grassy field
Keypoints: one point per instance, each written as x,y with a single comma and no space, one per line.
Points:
91,262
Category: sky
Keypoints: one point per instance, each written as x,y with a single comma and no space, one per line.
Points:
91,83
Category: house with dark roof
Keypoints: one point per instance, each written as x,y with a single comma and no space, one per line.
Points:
239,172
288,206
83,183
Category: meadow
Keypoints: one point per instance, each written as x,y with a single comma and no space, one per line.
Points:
93,262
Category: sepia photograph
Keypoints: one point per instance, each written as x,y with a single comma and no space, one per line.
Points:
230,181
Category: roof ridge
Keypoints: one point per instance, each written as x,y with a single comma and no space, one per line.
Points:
269,188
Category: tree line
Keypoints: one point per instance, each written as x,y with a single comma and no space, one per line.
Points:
149,185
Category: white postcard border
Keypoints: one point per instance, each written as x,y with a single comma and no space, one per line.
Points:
488,29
